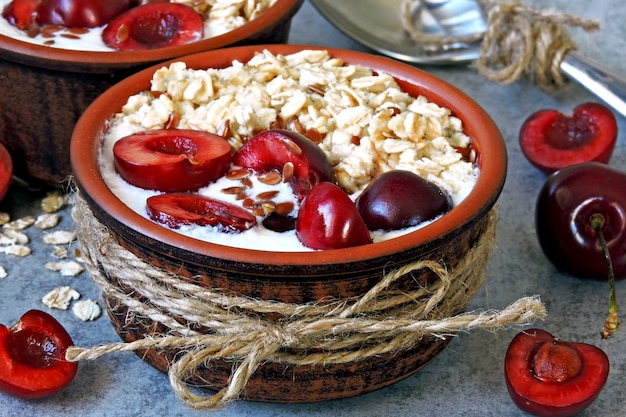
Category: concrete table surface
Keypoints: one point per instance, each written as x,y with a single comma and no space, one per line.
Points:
467,378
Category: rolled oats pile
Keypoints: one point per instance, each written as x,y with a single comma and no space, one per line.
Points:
365,122
225,15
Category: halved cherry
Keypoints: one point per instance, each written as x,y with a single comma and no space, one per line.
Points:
32,357
69,13
171,160
546,376
178,209
328,219
273,149
551,140
154,25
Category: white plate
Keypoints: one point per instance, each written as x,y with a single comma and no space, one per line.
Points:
377,24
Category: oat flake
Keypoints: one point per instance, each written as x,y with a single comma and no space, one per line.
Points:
67,268
17,250
47,221
60,297
53,202
87,310
17,236
59,237
20,224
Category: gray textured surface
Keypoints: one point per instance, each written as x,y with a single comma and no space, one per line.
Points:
467,378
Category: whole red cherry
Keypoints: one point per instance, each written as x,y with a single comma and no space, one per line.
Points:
154,25
565,205
32,357
70,13
398,199
580,220
328,219
551,140
549,377
171,160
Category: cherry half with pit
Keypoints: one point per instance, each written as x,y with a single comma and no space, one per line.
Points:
32,357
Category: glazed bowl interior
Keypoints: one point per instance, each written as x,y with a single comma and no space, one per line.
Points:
276,20
486,141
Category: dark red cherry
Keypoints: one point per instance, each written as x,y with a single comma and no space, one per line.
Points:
399,199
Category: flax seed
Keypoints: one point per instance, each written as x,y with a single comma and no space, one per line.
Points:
237,174
288,169
271,178
284,208
235,190
292,146
224,129
267,195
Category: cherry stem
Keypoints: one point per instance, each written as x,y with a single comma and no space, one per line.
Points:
612,320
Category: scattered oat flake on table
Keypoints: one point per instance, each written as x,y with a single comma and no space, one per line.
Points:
59,237
4,218
60,297
6,240
3,272
87,310
17,250
60,252
47,220
17,236
53,202
68,268
20,224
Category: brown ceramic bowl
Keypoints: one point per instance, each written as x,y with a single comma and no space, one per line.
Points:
45,90
295,277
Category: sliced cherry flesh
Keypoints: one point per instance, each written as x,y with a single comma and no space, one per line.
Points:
551,140
154,25
180,209
171,160
69,13
328,219
6,170
549,377
32,357
565,205
400,199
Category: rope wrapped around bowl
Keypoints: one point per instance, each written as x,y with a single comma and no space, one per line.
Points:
246,331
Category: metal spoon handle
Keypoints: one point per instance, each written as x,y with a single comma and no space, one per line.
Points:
601,81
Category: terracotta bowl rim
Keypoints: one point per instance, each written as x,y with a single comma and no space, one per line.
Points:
488,140
44,55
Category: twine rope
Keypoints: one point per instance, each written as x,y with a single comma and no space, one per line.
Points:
519,40
337,331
